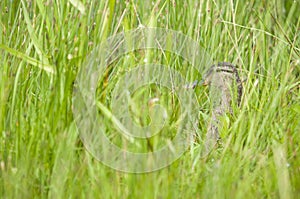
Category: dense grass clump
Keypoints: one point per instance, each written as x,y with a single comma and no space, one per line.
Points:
43,45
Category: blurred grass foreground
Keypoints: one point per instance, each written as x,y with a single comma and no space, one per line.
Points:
45,43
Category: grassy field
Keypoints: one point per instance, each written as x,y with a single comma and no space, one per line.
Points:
43,45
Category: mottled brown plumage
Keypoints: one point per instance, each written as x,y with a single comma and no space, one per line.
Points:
225,86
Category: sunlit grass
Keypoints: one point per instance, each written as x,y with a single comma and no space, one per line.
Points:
43,45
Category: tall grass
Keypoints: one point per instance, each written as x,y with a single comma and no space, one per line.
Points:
43,45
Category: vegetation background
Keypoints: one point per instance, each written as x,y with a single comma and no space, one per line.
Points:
43,43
